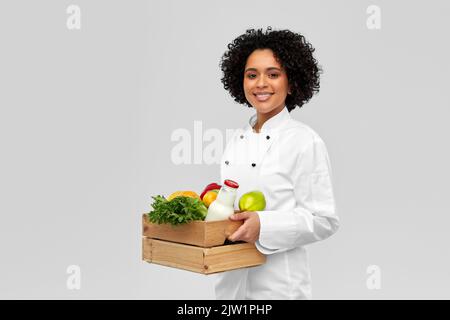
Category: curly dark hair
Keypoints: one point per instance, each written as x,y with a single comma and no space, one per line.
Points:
290,49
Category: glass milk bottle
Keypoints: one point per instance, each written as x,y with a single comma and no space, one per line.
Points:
223,206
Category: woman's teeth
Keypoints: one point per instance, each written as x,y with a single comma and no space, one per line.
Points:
263,96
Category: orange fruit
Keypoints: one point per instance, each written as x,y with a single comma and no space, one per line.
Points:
191,194
209,197
174,195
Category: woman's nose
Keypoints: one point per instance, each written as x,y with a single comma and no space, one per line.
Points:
261,82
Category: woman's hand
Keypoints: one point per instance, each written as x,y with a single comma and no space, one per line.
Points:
249,231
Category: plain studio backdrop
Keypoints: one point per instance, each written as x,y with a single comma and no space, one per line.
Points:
87,116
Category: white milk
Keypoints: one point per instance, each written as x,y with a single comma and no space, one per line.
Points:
223,207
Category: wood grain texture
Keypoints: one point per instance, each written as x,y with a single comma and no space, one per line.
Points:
198,233
216,232
231,257
146,249
178,255
205,260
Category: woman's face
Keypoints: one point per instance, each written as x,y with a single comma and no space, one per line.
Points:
265,82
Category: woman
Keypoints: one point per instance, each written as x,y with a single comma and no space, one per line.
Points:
274,72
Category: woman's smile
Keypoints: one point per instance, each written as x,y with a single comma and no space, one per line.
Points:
263,96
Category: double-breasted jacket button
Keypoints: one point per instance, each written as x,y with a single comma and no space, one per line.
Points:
267,137
242,136
253,164
227,162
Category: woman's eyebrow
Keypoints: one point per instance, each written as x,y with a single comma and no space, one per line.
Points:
267,69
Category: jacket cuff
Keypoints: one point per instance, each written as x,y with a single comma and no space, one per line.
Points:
277,232
263,249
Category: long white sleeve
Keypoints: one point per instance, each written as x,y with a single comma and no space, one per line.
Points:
314,217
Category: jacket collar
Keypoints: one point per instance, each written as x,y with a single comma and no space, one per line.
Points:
273,123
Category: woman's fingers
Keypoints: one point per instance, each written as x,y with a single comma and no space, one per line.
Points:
236,236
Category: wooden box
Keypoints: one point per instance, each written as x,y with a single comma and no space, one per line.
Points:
197,246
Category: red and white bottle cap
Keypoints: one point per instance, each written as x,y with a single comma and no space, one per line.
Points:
231,183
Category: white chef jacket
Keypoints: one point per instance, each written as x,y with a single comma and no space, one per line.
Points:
289,163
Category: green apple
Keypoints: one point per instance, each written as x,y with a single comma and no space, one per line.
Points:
252,201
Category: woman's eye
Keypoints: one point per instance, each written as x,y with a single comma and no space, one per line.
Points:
272,75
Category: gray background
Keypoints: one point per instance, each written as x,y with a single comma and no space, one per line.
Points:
86,118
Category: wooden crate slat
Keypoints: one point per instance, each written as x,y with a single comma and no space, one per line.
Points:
178,255
198,233
231,257
216,232
146,249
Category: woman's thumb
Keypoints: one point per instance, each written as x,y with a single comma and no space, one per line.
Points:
238,216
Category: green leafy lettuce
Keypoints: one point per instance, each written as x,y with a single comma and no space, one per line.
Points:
177,211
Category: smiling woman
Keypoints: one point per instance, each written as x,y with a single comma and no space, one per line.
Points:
278,157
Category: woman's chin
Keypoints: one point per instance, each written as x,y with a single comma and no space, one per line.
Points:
263,108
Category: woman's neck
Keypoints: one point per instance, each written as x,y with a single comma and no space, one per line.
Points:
261,118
